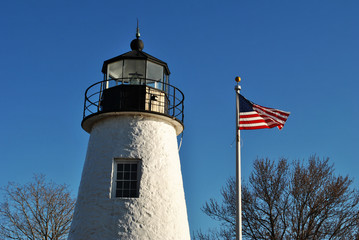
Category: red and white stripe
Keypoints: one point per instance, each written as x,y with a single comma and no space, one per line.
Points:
262,117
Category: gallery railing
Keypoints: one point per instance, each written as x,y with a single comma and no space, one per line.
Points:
129,94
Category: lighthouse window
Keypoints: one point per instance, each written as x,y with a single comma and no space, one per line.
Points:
134,70
154,72
115,70
126,179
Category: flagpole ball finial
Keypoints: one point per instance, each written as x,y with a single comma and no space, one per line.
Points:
238,79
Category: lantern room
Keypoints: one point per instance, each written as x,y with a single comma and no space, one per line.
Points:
134,82
136,68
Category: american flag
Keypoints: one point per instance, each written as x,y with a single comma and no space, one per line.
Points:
253,116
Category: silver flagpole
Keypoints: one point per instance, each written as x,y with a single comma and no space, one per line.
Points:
237,88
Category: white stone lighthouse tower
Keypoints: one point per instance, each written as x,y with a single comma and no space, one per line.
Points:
131,185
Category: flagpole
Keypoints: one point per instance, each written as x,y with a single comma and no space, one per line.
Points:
237,88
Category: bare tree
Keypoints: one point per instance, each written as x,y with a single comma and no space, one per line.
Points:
36,210
283,201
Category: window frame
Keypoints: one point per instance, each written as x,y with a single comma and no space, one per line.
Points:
115,171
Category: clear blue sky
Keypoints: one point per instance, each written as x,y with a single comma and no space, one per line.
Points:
299,56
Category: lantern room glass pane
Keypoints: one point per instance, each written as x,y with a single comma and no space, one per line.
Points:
133,70
115,69
154,72
165,79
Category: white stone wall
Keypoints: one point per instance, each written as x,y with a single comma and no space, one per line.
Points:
160,211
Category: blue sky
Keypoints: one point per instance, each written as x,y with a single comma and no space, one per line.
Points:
298,56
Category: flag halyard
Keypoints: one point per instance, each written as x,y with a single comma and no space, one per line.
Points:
253,116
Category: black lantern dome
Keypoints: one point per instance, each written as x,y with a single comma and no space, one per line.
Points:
134,82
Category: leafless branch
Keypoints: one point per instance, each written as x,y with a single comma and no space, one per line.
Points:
289,201
36,210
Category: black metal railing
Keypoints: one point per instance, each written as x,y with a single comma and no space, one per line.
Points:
158,97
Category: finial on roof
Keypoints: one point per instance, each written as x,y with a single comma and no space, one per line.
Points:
137,43
138,31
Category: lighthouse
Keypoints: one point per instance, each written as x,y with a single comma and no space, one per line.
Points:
131,185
